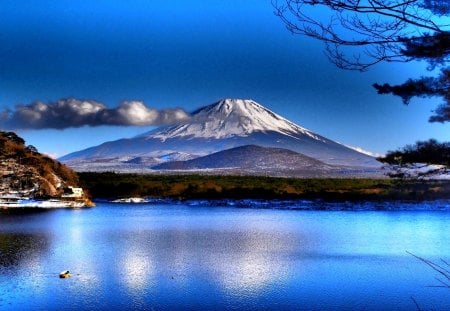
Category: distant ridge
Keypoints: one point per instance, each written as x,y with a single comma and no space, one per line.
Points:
253,159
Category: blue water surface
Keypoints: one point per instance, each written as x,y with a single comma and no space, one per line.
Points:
162,256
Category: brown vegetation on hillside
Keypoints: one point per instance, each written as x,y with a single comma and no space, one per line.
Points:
23,167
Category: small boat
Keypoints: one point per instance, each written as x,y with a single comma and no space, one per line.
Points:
64,274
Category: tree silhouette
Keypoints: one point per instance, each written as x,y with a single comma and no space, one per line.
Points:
427,152
361,33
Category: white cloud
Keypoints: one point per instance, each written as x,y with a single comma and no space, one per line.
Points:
72,112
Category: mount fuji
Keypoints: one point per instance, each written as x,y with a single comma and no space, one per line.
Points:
226,124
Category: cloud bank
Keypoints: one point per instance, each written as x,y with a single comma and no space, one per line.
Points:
72,112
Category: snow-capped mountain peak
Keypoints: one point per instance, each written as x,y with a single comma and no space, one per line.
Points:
224,125
228,118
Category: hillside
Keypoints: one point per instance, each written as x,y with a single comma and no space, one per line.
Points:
25,171
252,159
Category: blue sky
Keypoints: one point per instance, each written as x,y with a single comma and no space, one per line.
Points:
189,54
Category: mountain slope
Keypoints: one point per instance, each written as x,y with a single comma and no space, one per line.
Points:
226,124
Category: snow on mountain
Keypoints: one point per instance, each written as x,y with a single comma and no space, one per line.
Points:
223,125
364,151
228,118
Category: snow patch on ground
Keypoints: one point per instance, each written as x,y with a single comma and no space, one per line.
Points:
418,170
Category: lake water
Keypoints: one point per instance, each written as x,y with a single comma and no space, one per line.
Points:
197,257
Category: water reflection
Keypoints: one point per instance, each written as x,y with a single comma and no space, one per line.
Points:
137,265
76,250
243,263
238,262
166,257
21,264
20,250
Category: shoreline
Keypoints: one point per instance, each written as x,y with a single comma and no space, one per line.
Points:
294,205
31,203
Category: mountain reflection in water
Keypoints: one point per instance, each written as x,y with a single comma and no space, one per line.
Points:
168,257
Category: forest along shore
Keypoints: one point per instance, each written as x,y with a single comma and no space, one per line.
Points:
183,187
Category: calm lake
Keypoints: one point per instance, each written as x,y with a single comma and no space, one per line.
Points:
197,256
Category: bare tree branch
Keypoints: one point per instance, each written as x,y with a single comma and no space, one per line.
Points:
383,27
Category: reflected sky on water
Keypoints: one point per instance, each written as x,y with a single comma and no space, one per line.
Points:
183,257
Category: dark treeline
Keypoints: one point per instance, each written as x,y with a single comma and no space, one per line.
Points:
112,185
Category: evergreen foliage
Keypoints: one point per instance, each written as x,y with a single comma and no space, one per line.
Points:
427,152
